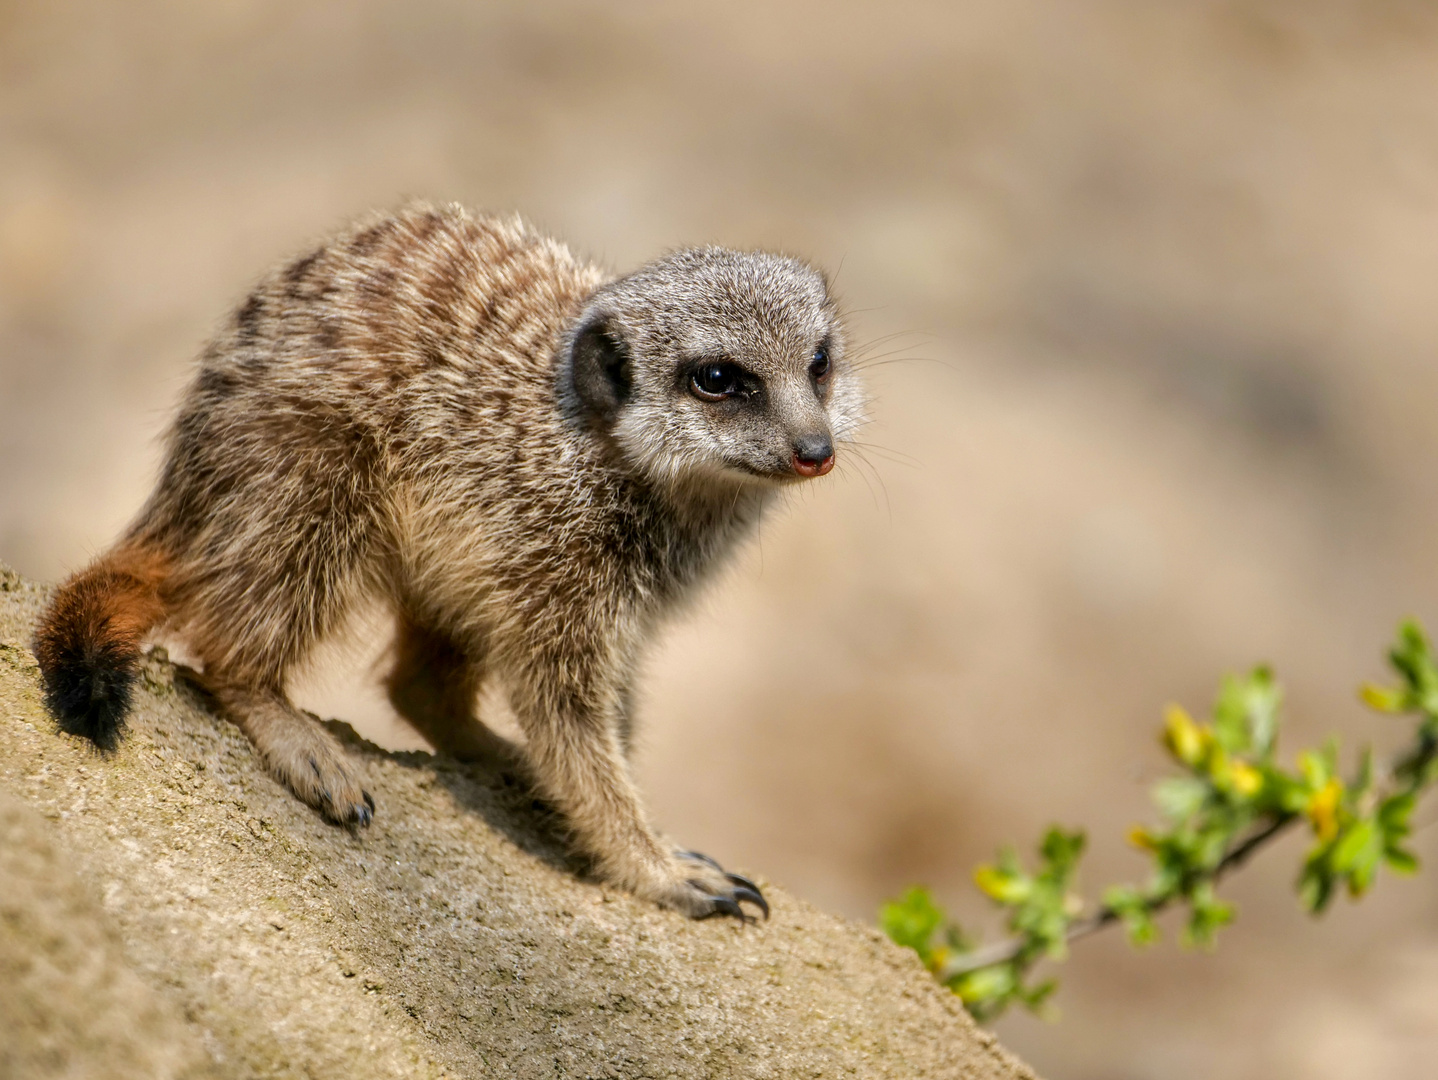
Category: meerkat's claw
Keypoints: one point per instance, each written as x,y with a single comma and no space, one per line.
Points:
741,880
723,905
755,897
744,890
363,815
356,815
747,890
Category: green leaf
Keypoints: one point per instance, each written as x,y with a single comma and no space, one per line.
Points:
1132,908
1264,703
1353,844
986,989
1315,886
1283,791
1035,998
1230,716
1392,820
912,920
955,940
1413,659
1400,860
1315,768
1245,716
1178,798
1207,914
1393,814
1141,928
1061,850
1363,782
1357,853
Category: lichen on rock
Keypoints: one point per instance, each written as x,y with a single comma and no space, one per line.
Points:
171,911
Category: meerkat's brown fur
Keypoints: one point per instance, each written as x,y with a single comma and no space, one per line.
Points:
531,462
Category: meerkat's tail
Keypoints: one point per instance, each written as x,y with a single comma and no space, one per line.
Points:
88,641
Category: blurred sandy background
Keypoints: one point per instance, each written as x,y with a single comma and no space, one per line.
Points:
1165,280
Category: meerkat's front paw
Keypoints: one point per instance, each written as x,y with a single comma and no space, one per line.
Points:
701,888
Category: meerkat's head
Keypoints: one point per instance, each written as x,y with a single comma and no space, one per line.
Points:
710,364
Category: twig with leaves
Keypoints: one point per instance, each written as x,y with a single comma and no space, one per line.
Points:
1231,798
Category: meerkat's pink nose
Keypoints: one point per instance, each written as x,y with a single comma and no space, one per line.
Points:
813,468
813,455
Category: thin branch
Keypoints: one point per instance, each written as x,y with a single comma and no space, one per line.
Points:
1409,765
1001,952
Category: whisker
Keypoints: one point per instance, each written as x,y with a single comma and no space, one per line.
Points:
889,344
888,453
883,339
879,349
862,463
885,361
841,468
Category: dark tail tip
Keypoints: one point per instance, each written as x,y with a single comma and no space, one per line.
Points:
88,644
89,695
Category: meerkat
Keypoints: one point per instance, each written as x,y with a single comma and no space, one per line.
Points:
531,461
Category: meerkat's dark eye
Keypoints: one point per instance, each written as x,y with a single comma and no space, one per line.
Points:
714,382
820,367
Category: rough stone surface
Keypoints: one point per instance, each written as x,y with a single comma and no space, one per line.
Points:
170,911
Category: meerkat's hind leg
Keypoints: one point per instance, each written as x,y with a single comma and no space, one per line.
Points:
299,753
434,684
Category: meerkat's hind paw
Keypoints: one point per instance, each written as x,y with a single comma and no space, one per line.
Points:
328,782
728,903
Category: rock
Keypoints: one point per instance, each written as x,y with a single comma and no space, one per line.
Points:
170,911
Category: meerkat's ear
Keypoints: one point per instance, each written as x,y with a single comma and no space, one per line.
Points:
600,368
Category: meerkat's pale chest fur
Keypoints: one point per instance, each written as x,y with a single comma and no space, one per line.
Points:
530,461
